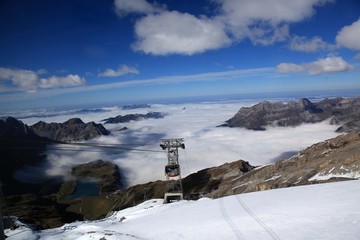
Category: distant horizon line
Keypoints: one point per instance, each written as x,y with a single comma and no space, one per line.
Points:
311,94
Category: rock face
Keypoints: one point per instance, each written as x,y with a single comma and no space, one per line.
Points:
133,117
333,160
72,130
19,147
105,176
11,127
342,111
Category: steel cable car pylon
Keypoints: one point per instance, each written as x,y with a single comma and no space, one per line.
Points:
173,189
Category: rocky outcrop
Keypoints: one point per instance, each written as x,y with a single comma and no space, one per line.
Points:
19,147
11,127
136,106
343,111
72,130
104,175
333,160
133,117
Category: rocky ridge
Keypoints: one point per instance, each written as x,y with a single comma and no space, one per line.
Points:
336,159
133,117
342,111
71,130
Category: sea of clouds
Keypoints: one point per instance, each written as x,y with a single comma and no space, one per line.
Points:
206,144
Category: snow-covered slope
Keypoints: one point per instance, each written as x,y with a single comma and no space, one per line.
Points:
323,211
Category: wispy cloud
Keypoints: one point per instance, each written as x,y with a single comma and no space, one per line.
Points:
27,80
321,66
212,76
120,71
124,7
304,44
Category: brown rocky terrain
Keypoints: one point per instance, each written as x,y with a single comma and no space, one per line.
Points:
342,111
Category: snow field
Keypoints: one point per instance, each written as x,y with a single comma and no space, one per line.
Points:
322,211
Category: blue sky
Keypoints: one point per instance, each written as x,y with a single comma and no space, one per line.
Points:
68,52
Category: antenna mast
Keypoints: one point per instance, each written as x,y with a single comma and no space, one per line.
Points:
173,189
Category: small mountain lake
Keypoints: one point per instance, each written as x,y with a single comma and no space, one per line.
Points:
85,188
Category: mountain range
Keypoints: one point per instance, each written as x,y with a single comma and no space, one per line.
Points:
340,111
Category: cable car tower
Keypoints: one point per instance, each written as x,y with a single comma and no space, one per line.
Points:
173,189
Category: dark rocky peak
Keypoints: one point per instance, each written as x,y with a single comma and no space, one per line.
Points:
71,130
11,127
305,104
133,117
74,121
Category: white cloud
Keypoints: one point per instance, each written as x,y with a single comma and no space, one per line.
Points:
289,67
264,22
163,32
321,66
266,34
349,36
120,71
178,33
274,12
124,7
303,44
23,79
27,80
328,65
68,81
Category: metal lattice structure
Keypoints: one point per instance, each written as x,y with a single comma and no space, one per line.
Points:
174,190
